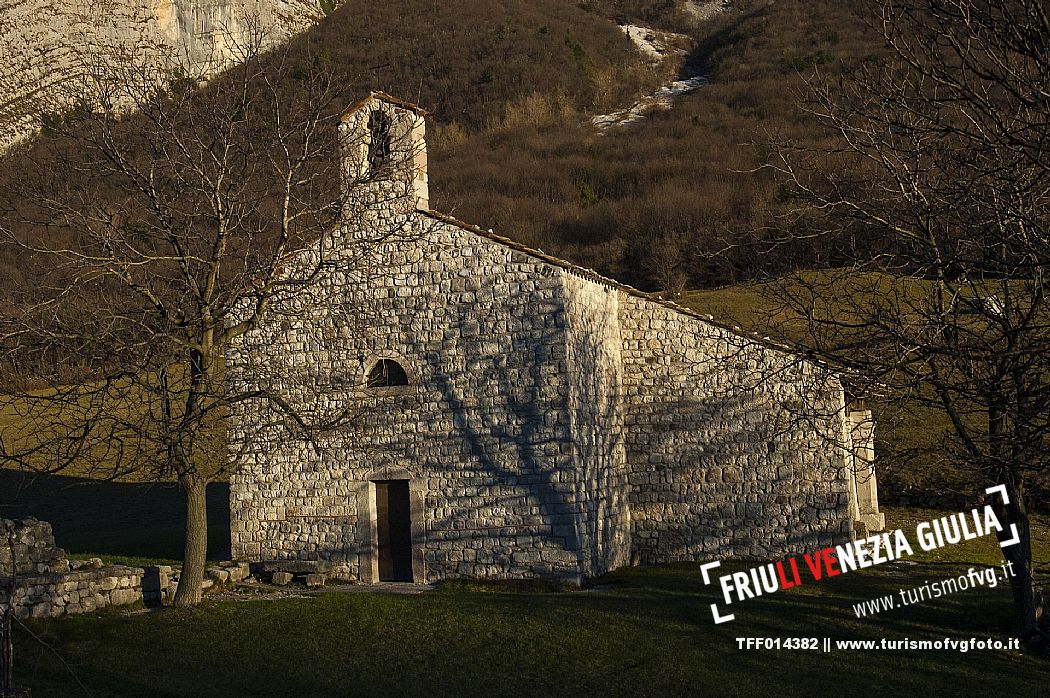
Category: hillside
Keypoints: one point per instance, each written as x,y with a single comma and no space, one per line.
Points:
650,203
513,86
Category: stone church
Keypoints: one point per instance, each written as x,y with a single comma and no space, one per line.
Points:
506,414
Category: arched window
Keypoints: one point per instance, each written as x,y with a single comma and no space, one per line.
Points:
386,373
379,140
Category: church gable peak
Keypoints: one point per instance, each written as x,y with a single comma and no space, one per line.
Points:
377,95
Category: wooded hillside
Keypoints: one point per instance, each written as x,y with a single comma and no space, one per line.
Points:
513,86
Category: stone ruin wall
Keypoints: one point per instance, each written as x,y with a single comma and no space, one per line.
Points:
47,49
484,432
43,584
734,449
27,546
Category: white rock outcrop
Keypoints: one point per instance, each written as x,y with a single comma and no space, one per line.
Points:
49,50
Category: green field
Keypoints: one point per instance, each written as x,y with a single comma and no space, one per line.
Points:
118,521
640,632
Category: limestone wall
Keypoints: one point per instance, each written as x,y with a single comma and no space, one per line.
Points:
48,49
40,583
555,426
483,432
27,546
733,449
75,591
595,376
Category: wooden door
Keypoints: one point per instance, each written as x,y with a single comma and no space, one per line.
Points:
394,529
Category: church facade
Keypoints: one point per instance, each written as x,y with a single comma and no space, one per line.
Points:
505,414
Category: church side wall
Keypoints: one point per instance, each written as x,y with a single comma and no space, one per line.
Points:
733,449
595,374
482,432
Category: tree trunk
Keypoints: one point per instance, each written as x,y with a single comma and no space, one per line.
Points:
195,554
7,643
7,652
1027,601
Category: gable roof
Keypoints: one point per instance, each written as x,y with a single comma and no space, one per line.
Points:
591,275
588,274
853,387
383,97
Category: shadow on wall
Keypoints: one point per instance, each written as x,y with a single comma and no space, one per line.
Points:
114,518
497,369
519,423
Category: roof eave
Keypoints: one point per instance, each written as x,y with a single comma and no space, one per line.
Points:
383,97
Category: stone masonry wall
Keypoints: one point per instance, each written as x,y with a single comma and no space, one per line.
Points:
483,431
733,449
595,376
27,546
76,591
553,424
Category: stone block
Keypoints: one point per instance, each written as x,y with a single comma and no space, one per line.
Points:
238,572
218,575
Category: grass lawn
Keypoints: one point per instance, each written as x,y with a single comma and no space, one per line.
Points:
130,522
647,631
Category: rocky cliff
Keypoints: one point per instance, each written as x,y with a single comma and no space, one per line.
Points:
47,49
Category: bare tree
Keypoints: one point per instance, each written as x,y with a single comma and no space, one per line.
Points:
666,263
156,233
935,181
